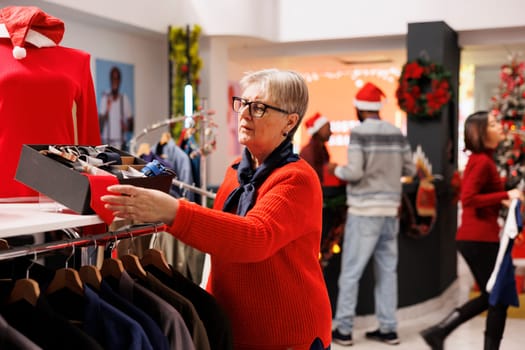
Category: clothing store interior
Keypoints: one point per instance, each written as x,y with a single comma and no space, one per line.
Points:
150,88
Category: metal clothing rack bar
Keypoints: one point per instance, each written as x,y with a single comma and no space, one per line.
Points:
194,189
130,231
145,131
202,190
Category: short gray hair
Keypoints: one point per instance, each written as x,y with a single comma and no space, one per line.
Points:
286,89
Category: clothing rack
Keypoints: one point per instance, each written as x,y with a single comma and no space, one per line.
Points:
202,127
129,231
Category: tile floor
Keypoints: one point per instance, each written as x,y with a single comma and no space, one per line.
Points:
469,336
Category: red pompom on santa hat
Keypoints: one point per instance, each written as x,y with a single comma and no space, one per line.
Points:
315,123
29,24
368,98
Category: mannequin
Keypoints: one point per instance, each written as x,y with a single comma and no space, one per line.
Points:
46,91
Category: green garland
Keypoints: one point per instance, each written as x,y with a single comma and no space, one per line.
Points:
185,62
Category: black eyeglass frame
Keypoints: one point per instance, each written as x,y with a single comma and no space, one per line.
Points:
258,104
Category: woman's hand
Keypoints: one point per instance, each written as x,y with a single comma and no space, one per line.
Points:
141,204
515,194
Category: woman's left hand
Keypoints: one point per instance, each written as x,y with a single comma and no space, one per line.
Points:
141,204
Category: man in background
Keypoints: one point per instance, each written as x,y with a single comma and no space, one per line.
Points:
378,156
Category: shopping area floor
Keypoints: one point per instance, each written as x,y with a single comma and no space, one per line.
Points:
469,336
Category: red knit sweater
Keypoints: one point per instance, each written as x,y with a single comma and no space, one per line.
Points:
38,95
264,266
481,195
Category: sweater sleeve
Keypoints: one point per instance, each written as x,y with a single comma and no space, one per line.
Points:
87,115
354,169
479,176
288,205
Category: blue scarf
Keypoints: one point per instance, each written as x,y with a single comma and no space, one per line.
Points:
249,179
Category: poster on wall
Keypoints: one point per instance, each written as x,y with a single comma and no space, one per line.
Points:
114,87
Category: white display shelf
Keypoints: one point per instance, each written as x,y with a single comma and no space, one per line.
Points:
26,218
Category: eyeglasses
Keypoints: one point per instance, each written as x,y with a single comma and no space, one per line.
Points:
256,109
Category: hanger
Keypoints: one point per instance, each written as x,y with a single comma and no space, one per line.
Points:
4,245
25,289
155,257
132,263
66,278
164,138
112,267
90,275
144,149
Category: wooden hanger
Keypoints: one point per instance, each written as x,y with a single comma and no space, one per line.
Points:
132,265
90,275
4,245
112,268
164,138
156,258
25,289
144,149
66,278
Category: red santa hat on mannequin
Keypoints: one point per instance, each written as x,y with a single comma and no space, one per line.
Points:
29,24
368,98
315,122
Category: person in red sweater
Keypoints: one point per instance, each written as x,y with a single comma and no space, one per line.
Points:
482,195
264,230
315,151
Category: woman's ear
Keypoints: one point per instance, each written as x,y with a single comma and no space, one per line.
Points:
293,119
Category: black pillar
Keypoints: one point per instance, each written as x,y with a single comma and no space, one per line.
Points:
430,262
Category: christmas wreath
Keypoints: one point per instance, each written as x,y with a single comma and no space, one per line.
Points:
424,88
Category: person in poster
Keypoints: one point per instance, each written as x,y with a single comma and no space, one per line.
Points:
115,113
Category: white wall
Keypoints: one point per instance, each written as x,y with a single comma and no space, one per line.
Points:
304,20
334,19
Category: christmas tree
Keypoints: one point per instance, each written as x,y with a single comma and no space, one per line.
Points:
508,104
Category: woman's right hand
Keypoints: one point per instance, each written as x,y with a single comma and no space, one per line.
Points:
141,204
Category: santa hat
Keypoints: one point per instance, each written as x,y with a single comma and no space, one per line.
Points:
369,98
29,24
315,122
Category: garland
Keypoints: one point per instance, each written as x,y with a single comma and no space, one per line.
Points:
424,88
186,63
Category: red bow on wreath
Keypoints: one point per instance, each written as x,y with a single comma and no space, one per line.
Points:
424,88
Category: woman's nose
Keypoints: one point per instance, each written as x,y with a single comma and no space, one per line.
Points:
244,112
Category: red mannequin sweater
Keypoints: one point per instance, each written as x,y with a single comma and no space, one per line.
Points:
38,97
481,195
265,270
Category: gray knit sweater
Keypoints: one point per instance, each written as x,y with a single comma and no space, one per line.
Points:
378,155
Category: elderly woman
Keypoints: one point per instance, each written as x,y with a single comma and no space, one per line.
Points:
264,231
